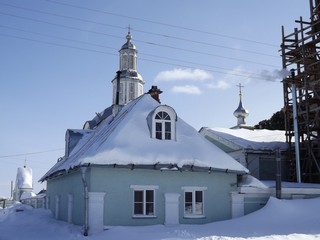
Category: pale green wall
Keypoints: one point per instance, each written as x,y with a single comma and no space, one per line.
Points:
62,186
118,207
116,182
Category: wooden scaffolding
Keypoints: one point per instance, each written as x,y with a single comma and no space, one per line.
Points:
301,89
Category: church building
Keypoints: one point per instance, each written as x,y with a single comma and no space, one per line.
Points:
138,163
131,82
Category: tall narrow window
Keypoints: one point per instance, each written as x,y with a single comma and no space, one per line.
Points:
131,64
124,63
121,93
163,125
131,91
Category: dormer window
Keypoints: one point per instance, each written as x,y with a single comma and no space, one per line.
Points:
163,123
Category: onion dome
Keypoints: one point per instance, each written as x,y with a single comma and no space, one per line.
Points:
129,44
241,113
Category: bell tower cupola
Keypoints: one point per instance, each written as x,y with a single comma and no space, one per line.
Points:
130,82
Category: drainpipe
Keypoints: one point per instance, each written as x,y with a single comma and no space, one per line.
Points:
86,201
295,127
278,174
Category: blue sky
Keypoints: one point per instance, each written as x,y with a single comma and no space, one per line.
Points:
58,58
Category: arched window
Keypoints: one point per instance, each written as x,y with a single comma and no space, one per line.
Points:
124,62
164,123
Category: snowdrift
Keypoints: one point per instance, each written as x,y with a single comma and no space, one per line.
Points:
279,219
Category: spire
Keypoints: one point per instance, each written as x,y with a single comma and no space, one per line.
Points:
240,113
129,44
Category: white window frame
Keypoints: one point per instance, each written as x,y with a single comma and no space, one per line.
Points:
144,188
172,121
193,190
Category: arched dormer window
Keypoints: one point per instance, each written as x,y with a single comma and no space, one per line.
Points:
164,123
163,126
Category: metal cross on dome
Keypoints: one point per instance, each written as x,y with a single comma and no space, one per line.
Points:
240,86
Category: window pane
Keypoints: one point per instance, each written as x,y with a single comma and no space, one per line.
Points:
168,136
149,195
168,126
188,196
158,126
167,130
166,116
188,208
138,208
158,135
158,116
198,196
199,202
159,130
199,208
149,209
138,196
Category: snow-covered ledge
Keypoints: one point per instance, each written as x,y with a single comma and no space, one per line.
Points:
96,211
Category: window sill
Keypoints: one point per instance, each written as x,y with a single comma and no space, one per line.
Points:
194,216
144,216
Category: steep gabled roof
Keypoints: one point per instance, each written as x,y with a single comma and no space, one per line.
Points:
126,139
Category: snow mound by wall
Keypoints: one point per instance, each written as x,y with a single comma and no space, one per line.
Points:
280,219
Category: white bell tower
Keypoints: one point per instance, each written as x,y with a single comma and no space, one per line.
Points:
129,80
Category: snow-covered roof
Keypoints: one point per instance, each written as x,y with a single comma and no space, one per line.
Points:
126,139
257,139
24,178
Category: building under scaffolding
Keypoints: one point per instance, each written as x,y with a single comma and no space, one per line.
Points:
302,95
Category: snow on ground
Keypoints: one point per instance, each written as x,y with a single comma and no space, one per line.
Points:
279,219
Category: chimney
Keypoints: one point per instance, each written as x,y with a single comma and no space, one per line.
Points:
155,93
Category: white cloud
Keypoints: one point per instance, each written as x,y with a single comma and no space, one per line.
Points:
189,89
219,85
179,74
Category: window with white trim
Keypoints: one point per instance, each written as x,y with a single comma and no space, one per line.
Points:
164,123
144,201
194,201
